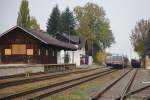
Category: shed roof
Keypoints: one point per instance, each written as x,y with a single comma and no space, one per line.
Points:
73,38
78,40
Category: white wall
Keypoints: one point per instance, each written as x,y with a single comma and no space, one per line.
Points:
74,57
60,57
77,58
90,60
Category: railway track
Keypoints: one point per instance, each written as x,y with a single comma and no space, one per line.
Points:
45,91
125,91
137,91
20,75
147,98
140,88
40,78
38,73
119,87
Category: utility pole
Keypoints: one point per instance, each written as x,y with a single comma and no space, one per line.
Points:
92,49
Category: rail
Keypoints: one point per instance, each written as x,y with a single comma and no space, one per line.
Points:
40,78
98,95
125,91
134,91
62,86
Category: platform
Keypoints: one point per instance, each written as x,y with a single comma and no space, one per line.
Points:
12,69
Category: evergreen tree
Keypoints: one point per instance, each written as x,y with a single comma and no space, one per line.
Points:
53,25
67,22
23,15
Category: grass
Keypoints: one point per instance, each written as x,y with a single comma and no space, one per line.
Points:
134,98
75,95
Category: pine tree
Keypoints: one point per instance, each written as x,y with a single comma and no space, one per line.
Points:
23,19
67,22
53,25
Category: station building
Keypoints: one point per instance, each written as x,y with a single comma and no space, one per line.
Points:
82,56
23,45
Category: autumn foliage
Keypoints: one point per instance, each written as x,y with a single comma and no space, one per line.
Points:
101,57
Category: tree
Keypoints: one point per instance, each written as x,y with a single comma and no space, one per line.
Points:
101,57
67,22
139,38
148,41
23,15
53,25
93,25
33,24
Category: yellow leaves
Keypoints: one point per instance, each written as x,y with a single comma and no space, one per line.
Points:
101,56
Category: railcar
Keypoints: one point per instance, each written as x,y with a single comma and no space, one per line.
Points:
135,63
117,61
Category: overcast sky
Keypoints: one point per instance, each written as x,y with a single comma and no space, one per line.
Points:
123,15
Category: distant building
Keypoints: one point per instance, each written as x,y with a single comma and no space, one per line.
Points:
83,54
22,45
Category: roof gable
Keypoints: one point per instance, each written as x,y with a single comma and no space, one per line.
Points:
11,29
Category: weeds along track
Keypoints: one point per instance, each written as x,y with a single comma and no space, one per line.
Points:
8,83
45,91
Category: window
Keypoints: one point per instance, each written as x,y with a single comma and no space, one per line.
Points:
7,51
29,51
46,52
148,56
53,53
18,49
39,52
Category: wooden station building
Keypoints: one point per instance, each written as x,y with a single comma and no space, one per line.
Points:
23,45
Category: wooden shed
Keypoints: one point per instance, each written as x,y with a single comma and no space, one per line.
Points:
23,45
